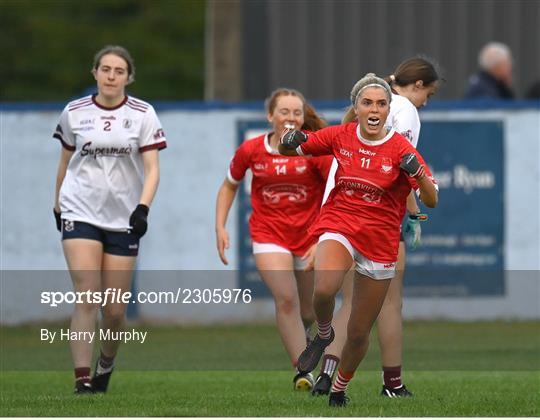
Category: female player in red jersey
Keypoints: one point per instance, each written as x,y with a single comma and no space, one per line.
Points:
107,178
286,195
359,222
413,82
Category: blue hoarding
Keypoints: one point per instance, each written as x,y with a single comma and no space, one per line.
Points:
462,252
462,242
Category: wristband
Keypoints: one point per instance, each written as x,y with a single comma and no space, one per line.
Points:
419,216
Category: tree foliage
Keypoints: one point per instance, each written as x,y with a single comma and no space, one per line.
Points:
48,46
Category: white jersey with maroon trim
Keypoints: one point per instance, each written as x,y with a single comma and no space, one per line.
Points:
368,201
286,193
403,118
104,178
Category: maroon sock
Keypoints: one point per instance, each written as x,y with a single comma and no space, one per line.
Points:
392,376
329,364
105,361
82,374
324,329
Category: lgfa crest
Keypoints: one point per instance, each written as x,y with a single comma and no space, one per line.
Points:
386,165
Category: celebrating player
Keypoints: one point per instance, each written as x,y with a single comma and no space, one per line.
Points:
107,178
359,223
413,82
286,194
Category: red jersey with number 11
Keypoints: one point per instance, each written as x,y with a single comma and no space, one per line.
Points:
368,202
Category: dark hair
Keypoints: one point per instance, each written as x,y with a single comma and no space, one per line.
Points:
312,121
414,69
406,73
120,52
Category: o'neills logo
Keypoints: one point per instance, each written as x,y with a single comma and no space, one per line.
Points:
88,150
366,190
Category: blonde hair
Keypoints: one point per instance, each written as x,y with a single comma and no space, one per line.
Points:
369,80
349,116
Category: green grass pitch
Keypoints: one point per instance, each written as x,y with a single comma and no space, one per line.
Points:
454,369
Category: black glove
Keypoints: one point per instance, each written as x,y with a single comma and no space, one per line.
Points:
409,163
292,139
58,220
137,220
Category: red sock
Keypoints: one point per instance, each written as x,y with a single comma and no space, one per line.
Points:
82,374
342,380
392,376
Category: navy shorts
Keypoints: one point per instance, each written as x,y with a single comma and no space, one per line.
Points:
114,243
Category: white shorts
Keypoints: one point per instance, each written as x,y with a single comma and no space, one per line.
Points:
264,248
363,265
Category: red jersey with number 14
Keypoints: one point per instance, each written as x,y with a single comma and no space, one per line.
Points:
368,201
286,193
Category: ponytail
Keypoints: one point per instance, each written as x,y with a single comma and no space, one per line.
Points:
312,121
349,116
414,69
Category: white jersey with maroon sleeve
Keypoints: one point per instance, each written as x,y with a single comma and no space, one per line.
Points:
404,118
366,205
286,193
104,178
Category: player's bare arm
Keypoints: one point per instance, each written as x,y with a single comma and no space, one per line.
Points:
428,192
151,176
225,198
65,157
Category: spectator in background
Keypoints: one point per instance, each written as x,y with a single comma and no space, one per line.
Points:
494,80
